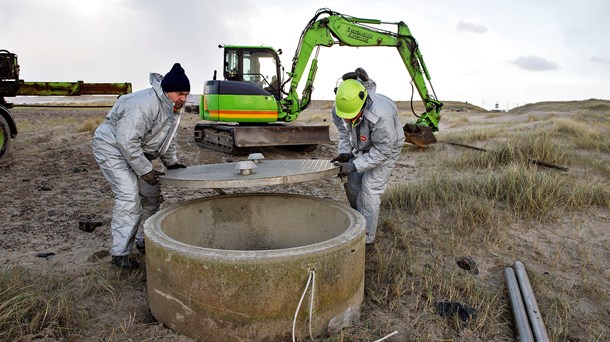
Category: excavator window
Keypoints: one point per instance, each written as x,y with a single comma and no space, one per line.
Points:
232,66
256,65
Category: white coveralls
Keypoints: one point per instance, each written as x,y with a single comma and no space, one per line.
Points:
375,145
140,127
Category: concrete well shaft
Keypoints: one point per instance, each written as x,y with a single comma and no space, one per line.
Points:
231,268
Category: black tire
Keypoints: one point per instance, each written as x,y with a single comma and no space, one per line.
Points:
5,137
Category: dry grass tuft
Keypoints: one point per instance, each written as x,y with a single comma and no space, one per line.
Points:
521,189
36,306
456,121
57,307
475,134
520,148
90,125
582,135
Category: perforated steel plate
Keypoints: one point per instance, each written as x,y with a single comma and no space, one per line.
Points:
267,172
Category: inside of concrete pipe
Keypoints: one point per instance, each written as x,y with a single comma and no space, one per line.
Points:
255,222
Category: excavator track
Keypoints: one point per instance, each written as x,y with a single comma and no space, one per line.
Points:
238,139
215,137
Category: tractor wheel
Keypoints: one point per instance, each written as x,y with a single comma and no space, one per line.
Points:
5,137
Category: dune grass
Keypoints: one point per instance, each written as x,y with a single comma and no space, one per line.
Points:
90,125
425,225
582,135
471,203
38,306
529,193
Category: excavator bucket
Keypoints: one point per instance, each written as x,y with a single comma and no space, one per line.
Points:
419,135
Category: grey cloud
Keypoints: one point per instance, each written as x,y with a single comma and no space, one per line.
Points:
601,60
534,63
470,27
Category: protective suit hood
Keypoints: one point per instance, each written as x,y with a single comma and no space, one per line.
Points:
155,79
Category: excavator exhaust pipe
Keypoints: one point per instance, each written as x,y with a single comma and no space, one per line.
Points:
419,135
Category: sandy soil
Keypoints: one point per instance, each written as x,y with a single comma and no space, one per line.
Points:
51,182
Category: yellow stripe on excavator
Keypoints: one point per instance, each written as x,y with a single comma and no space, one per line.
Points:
233,114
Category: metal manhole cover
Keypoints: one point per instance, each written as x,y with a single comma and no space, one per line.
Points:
267,172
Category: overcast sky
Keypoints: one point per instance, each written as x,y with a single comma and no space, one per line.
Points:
484,52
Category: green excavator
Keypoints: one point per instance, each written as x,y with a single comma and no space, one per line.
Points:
250,107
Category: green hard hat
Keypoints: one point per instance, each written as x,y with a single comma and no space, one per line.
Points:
350,98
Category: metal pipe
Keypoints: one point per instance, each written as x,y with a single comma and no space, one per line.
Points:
516,303
531,306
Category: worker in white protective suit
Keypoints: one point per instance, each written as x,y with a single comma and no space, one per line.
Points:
370,141
139,128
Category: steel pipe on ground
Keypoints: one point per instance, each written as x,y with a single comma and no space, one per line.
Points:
516,302
531,306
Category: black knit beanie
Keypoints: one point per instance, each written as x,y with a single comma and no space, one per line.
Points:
175,80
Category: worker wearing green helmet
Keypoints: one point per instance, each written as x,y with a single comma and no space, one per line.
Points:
370,141
350,99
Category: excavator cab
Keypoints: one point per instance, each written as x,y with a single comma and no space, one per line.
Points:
246,94
246,106
9,74
259,66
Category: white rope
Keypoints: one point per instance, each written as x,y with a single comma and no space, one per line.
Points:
313,289
387,336
312,280
312,276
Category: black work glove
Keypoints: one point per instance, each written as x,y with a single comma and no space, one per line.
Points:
362,74
346,168
152,177
342,158
176,166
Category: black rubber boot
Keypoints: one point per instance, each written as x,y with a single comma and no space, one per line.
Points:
141,248
124,261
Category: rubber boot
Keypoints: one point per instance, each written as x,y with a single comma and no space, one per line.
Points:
124,261
141,247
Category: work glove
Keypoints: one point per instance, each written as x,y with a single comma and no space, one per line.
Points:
176,166
152,177
362,74
342,158
346,169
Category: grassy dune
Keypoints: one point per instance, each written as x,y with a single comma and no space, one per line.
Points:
493,205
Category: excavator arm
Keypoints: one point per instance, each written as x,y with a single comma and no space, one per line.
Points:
336,28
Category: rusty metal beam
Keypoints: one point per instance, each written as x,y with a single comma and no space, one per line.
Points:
72,88
532,161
